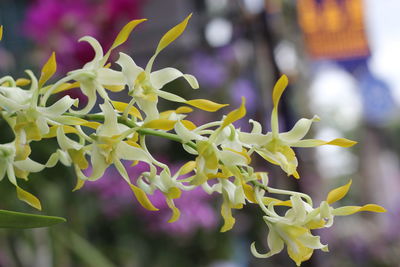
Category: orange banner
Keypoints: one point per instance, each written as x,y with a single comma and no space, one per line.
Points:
333,29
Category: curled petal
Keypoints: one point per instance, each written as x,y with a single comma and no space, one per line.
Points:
299,130
161,77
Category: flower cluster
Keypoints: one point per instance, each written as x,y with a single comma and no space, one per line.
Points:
222,153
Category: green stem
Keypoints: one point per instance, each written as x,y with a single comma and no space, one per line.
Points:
131,124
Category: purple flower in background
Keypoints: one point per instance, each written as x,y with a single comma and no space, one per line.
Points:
243,87
56,25
116,198
209,71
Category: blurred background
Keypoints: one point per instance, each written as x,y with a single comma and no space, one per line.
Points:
342,59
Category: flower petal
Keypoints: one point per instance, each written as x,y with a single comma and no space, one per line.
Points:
299,130
205,104
161,77
348,210
168,38
48,70
236,114
338,193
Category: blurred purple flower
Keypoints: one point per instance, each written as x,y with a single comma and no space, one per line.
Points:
116,198
56,25
243,87
208,70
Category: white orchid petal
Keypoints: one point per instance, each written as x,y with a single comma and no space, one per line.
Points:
129,68
66,143
9,105
161,77
58,108
29,165
99,164
185,134
107,76
110,126
129,152
299,130
98,50
170,96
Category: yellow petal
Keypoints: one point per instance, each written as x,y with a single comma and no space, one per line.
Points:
187,167
28,198
160,124
53,131
189,125
205,104
226,213
125,32
79,184
236,114
1,32
22,82
183,109
277,202
348,210
92,124
121,106
142,198
249,193
66,86
78,157
343,142
172,34
174,193
175,211
114,88
338,193
279,87
48,69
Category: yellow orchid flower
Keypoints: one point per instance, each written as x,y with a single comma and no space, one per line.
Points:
95,76
276,147
145,86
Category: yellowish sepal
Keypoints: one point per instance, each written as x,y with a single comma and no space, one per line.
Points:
142,198
53,131
114,88
235,115
78,157
28,198
342,142
125,32
249,193
48,70
189,125
226,212
187,167
348,210
172,34
92,124
121,106
278,90
79,184
205,104
65,86
175,211
22,82
183,110
161,124
338,193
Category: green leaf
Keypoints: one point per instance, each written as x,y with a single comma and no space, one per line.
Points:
19,220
